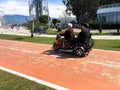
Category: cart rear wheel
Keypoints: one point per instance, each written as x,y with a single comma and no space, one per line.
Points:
79,52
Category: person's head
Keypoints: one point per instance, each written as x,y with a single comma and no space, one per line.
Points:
84,26
69,25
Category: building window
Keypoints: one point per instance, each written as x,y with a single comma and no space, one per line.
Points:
110,16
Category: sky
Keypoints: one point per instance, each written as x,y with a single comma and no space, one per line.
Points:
11,7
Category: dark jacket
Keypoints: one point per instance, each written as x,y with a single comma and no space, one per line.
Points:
83,36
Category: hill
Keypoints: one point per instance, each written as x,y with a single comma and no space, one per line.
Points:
15,19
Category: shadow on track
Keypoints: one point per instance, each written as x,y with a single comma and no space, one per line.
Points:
60,54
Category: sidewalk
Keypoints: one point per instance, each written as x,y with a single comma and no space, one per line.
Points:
24,32
105,37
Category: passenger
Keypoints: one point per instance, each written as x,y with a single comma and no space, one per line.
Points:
84,35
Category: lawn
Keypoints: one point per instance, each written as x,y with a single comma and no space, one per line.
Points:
99,44
107,44
12,82
44,40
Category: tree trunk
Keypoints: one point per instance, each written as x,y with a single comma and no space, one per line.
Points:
78,19
32,29
100,27
118,30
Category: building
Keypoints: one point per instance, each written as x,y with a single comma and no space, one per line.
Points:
109,14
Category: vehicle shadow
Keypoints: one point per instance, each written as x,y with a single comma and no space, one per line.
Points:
60,54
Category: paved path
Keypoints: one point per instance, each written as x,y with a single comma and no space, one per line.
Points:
105,37
98,71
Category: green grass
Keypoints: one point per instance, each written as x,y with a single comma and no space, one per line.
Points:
12,82
53,32
99,44
107,44
44,40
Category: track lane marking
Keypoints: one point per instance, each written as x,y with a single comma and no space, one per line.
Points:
51,85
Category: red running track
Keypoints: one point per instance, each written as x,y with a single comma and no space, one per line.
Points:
98,71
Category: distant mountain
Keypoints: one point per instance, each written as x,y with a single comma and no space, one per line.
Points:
20,19
15,19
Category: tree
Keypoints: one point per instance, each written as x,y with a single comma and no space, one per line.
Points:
54,21
44,19
28,24
84,10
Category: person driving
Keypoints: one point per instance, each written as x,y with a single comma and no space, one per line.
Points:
68,34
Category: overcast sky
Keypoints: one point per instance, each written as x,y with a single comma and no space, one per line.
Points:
10,7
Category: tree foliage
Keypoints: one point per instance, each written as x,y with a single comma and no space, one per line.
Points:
84,10
54,21
43,19
28,24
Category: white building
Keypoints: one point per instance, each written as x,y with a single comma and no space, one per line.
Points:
109,14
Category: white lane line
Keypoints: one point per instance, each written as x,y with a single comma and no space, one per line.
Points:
16,49
107,50
57,87
114,65
28,51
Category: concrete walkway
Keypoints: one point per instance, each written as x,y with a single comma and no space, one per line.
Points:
106,37
24,32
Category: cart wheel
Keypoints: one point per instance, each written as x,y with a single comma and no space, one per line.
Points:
79,52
